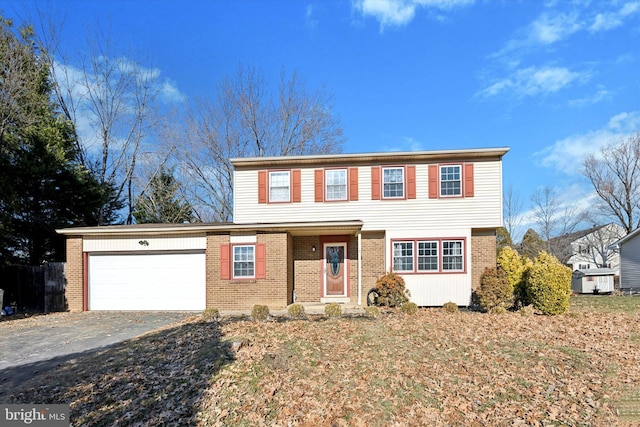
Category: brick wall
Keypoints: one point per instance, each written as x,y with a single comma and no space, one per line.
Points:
483,254
306,268
372,260
273,291
74,270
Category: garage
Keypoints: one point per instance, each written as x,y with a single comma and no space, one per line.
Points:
147,281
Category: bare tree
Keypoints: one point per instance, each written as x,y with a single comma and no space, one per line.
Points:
245,120
512,206
553,217
597,247
615,176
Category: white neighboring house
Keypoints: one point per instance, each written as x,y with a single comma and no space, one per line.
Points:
593,248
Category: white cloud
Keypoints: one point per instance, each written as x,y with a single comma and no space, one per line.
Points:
566,155
170,94
533,81
550,28
397,13
608,20
601,95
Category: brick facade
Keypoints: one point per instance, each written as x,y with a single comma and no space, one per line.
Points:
483,254
74,272
372,260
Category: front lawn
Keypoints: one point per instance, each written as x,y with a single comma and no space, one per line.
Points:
433,368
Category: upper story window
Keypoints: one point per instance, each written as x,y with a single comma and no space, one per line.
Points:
393,183
450,180
336,184
279,186
244,261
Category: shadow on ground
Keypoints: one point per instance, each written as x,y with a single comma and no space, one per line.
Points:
158,378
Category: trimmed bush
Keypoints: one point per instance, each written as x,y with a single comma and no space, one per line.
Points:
210,315
333,310
515,268
548,284
410,308
527,310
495,290
498,310
372,311
450,307
392,290
260,313
296,311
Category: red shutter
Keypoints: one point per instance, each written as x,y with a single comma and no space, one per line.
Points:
468,180
353,184
319,185
262,186
375,182
261,261
296,185
411,182
225,262
433,181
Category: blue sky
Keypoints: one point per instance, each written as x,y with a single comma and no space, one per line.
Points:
553,80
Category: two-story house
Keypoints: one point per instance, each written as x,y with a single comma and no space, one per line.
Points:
317,228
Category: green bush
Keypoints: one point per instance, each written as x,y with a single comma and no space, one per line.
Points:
296,311
392,290
498,310
372,312
527,310
333,310
495,290
210,315
548,284
260,313
450,307
409,308
515,267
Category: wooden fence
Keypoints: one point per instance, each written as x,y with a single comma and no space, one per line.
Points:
37,288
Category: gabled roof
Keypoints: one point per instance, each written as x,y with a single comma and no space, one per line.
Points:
360,158
627,237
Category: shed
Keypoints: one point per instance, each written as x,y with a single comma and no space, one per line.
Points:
593,281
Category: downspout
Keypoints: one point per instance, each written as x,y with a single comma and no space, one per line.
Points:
359,267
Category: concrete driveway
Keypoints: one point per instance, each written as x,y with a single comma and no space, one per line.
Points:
26,345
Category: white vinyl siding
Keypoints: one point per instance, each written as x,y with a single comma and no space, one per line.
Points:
484,210
279,186
144,243
336,184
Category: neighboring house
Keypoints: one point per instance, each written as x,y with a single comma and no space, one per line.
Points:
629,249
317,228
591,248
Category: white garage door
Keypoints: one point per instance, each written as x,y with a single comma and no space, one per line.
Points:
173,281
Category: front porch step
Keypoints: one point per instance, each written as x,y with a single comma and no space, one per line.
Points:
339,300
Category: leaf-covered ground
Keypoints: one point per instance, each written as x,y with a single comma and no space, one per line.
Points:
433,368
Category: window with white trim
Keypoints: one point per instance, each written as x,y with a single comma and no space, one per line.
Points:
336,184
427,256
279,186
403,256
244,261
451,180
393,183
452,256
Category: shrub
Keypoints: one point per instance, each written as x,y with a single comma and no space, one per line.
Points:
495,289
498,310
333,310
450,307
515,268
210,315
392,290
372,312
260,312
409,308
548,284
296,311
527,310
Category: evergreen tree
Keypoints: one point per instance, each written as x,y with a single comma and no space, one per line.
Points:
532,244
162,202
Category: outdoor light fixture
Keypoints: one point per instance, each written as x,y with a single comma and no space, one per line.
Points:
143,243
313,248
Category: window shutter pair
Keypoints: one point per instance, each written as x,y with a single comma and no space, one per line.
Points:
376,182
263,186
468,179
319,184
226,263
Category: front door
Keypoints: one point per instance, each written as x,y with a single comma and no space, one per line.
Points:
335,276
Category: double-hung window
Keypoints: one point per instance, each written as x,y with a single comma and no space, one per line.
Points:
452,256
393,183
279,186
427,256
244,261
403,256
451,180
336,184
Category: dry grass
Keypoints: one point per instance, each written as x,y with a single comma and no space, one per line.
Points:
433,368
